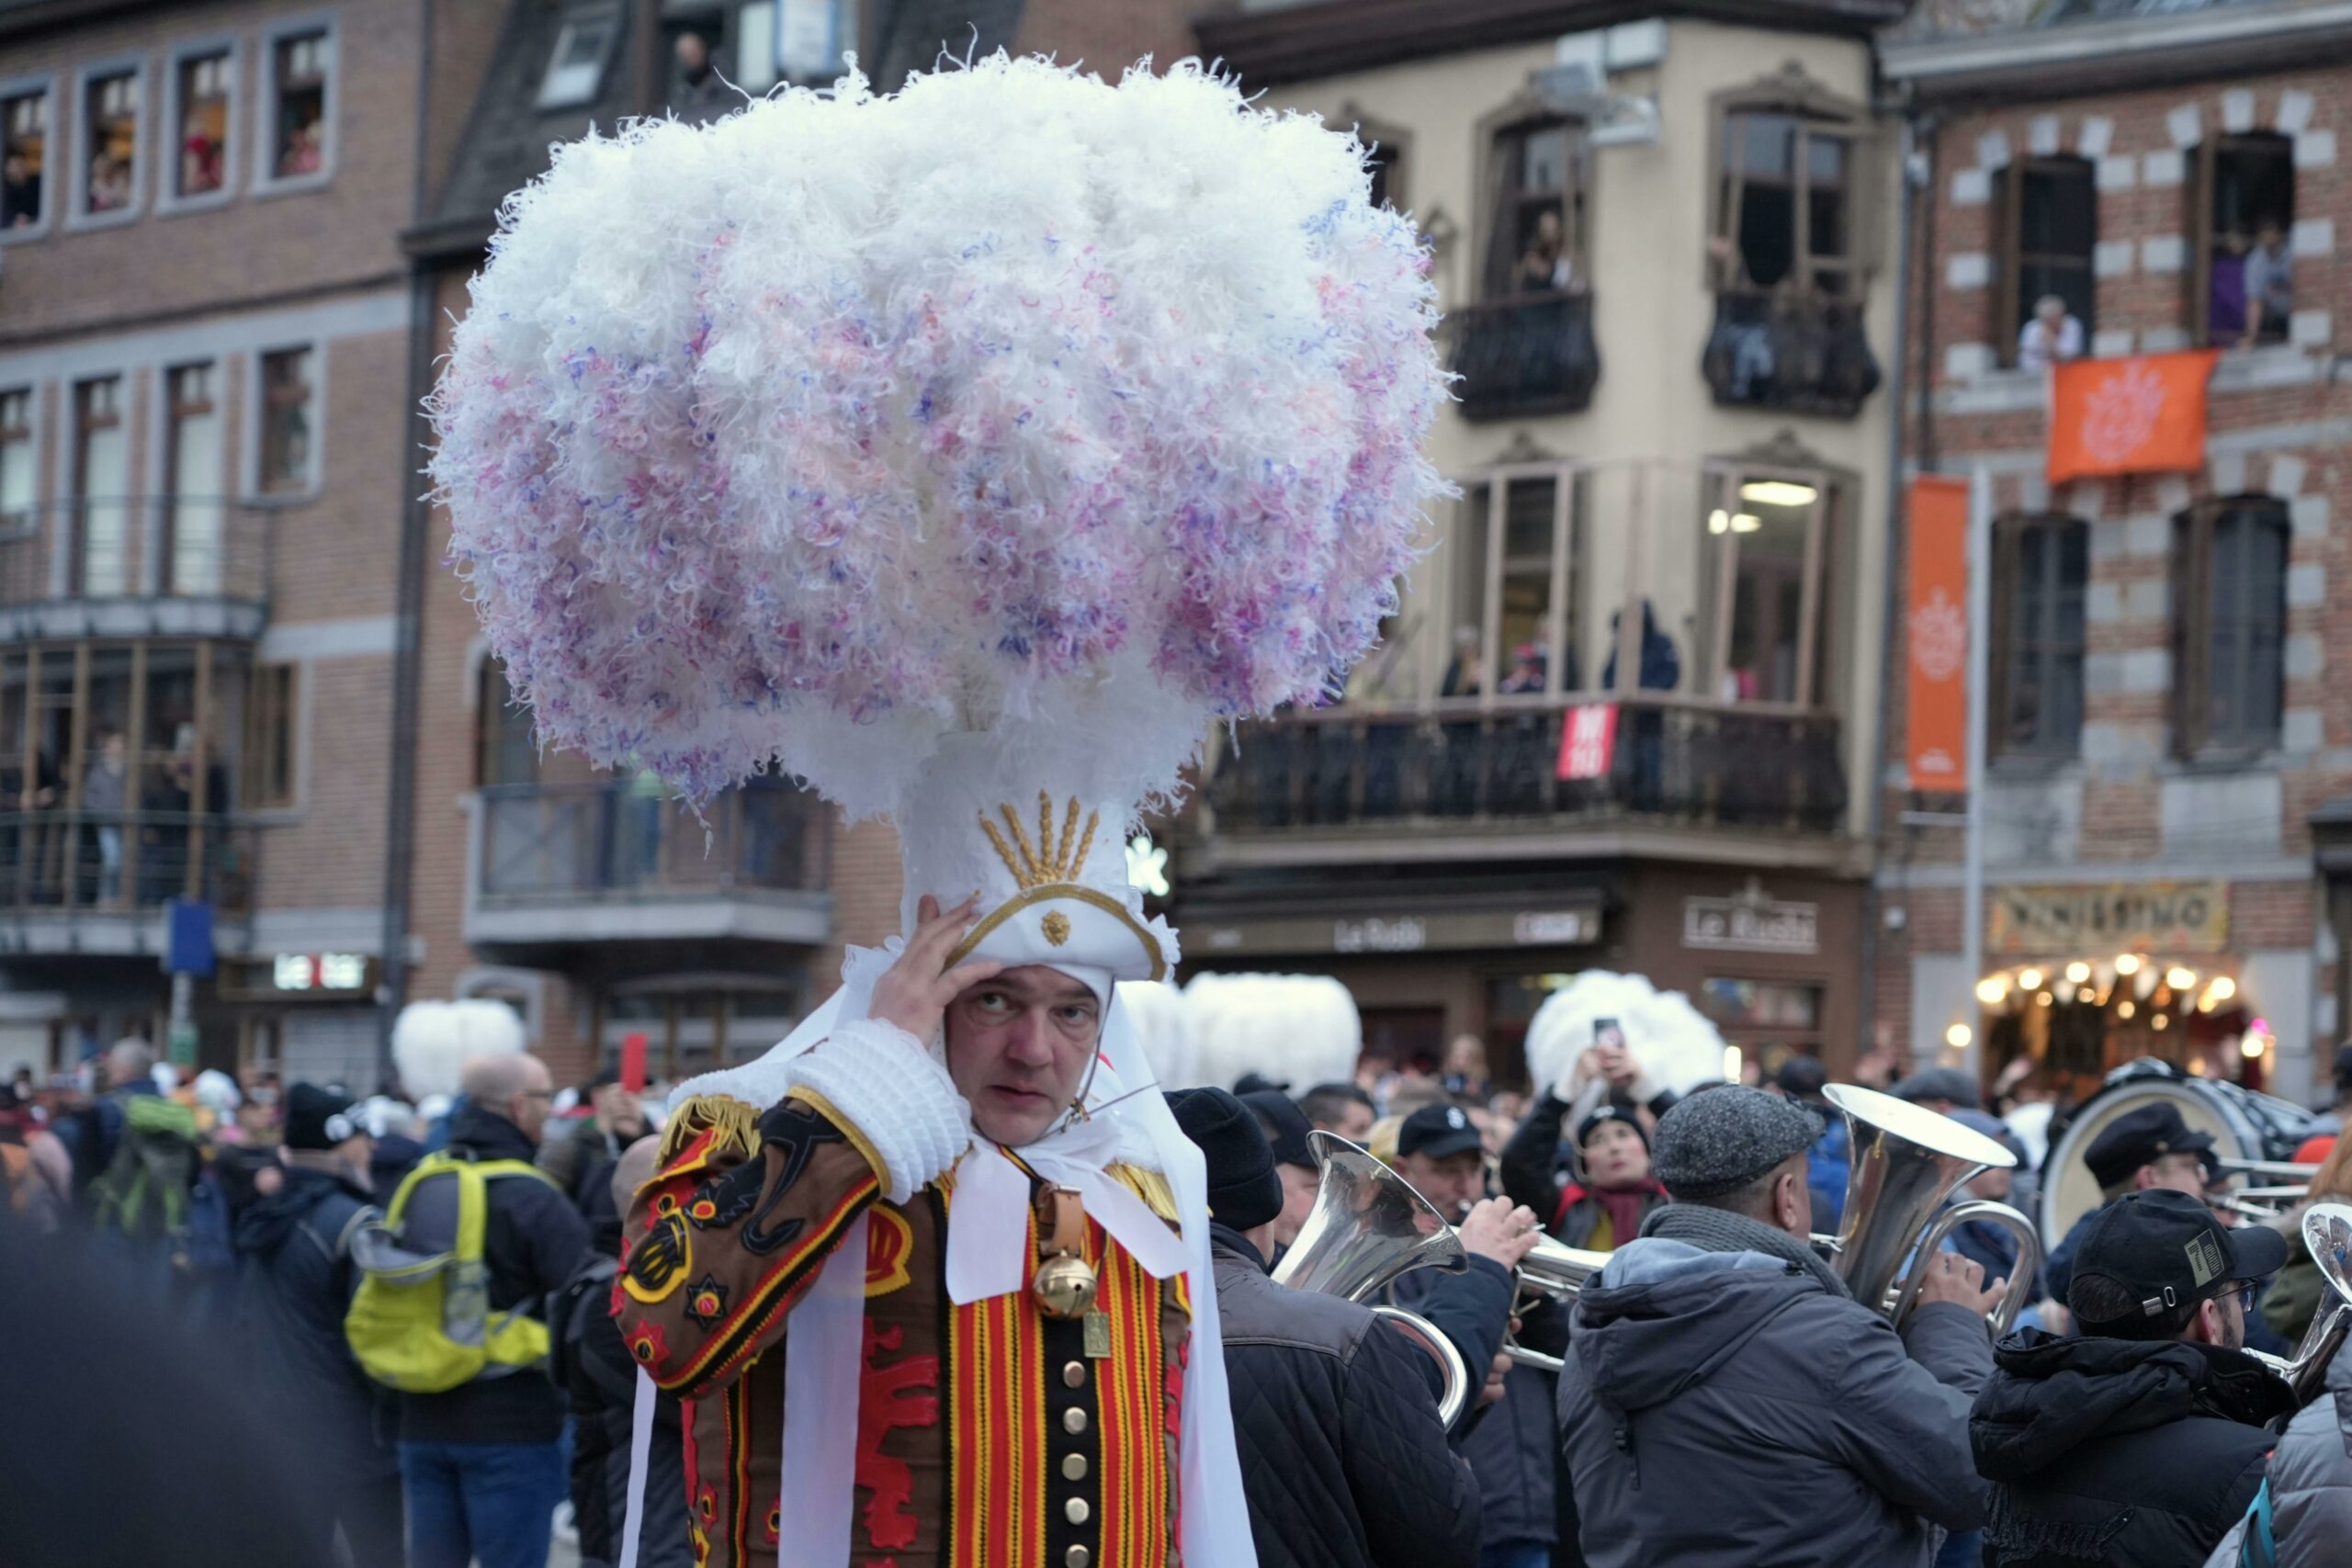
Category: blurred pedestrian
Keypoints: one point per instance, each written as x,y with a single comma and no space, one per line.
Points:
581,1152
1508,1436
2146,1438
1343,1108
481,1465
592,1364
1725,1401
298,1279
1343,1459
1286,1128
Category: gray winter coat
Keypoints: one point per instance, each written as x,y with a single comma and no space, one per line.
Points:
2310,1482
1728,1410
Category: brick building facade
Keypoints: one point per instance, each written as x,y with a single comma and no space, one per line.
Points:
2169,704
204,468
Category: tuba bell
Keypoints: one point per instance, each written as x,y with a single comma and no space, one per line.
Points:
1906,1160
1367,1228
2327,1236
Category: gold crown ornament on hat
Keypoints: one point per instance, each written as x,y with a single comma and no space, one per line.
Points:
1049,864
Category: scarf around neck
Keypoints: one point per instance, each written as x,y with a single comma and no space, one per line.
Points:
1720,1230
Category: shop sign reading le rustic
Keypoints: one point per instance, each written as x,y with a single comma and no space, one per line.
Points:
2187,917
1748,921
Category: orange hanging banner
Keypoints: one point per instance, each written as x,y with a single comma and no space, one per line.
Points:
1936,624
2144,414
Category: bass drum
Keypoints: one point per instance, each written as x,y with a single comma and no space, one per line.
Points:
2245,1124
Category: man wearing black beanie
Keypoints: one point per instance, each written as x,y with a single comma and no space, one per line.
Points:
1343,1459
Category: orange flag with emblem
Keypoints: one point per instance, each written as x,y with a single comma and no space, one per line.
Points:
1936,630
2143,414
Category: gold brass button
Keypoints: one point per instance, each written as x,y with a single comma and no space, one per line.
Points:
1073,1422
1077,1557
1076,1510
1073,1467
1074,1374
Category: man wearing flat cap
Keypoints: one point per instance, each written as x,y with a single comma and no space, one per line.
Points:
2148,1148
1718,1345
1343,1459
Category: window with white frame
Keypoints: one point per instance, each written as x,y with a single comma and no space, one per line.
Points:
300,104
108,178
289,462
18,459
24,159
195,514
1517,585
100,544
576,65
203,87
1765,555
1786,176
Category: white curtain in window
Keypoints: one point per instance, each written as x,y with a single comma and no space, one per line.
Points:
15,479
106,513
197,522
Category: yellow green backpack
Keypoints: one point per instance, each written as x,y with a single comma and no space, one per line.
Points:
421,1320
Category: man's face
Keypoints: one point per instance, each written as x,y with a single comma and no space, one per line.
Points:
1994,1184
1299,1184
1452,1183
530,1109
2178,1172
1614,1155
1354,1123
1019,1045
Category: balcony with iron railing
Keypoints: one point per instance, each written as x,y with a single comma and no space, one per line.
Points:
1319,786
558,866
1523,358
89,882
135,566
1790,351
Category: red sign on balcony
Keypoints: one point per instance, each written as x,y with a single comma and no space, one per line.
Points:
1587,741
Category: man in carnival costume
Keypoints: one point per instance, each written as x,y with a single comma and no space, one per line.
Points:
970,453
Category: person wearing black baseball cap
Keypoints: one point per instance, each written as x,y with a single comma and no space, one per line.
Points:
2147,1435
1285,1127
1441,1151
2146,1148
1343,1459
294,1244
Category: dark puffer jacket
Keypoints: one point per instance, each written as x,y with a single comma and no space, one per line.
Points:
295,1247
1509,1444
1343,1461
2131,1452
1730,1410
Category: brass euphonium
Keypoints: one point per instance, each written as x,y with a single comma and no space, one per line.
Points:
1906,1160
2327,1236
1367,1228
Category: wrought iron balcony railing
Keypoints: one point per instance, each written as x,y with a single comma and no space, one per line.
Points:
61,862
1673,761
119,563
1800,353
556,841
1525,356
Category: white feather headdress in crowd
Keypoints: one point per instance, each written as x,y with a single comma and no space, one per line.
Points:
1671,1041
